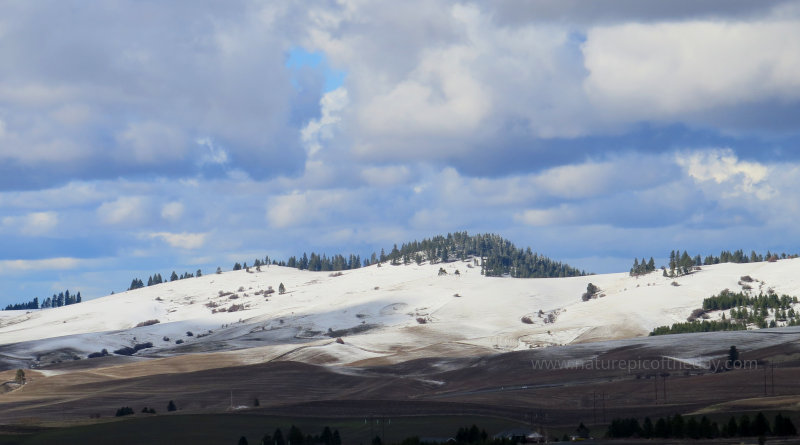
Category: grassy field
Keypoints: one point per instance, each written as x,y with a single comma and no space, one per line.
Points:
219,429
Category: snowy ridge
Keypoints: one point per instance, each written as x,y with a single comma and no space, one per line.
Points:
391,313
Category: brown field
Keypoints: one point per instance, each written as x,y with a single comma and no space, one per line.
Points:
501,386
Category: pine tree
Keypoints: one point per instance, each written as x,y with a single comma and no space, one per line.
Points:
281,289
277,437
733,357
337,440
295,436
171,406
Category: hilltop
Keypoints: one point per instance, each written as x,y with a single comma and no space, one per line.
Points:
378,314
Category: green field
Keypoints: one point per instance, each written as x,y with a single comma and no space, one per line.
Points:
217,429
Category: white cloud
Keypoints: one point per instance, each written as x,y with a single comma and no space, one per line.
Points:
386,176
33,224
39,223
548,217
723,166
62,263
172,211
152,142
212,154
304,208
665,70
318,130
124,210
187,241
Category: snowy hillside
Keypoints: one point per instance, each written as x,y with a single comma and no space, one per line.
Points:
388,313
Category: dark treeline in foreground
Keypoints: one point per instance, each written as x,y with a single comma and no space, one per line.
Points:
676,427
464,436
57,300
296,437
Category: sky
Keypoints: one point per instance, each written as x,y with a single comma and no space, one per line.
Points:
141,136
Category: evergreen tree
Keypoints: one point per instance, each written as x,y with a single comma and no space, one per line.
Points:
281,289
327,436
732,429
337,440
20,377
647,428
242,440
745,429
760,424
661,429
277,437
295,436
171,406
733,357
678,426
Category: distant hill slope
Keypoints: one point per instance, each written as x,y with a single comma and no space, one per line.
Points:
382,313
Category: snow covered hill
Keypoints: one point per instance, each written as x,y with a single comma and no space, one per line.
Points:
382,314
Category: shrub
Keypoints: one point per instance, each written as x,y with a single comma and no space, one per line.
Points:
746,279
136,348
233,297
591,291
340,341
675,283
102,353
178,341
147,323
236,307
697,313
165,338
127,350
124,411
336,274
189,334
211,304
527,320
421,320
147,410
